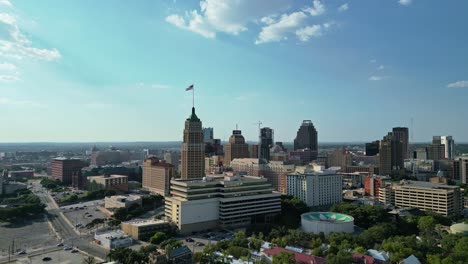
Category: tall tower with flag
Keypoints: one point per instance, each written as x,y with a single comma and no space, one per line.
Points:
193,147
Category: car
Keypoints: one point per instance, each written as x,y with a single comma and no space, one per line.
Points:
67,248
22,252
199,244
60,245
74,250
46,259
189,239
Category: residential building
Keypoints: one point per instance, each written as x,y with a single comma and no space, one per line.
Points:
401,134
439,198
118,183
302,258
236,147
265,142
122,201
193,148
111,239
63,168
317,188
157,175
144,229
372,184
372,148
274,171
225,201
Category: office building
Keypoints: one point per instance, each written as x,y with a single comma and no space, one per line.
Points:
79,180
460,170
19,175
274,171
111,239
213,164
317,188
208,135
372,184
390,155
449,145
143,229
442,147
64,168
236,147
265,142
109,157
401,134
157,175
122,201
253,151
172,158
372,148
340,158
302,156
117,183
226,201
306,137
435,151
193,148
439,198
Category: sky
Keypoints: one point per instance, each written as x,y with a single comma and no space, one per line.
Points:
116,70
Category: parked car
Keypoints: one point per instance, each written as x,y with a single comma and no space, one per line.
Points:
189,239
60,245
46,259
74,251
199,244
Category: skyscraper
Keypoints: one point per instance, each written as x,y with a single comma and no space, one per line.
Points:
266,142
193,148
390,154
372,148
448,143
306,137
208,134
401,134
236,147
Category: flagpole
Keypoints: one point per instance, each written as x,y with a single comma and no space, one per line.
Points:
193,97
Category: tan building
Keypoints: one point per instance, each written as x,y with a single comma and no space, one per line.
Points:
193,148
118,183
144,229
340,158
221,201
157,175
235,148
439,198
121,201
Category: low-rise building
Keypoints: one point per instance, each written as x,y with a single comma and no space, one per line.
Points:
118,183
18,175
317,188
221,201
267,256
143,229
111,239
121,201
439,198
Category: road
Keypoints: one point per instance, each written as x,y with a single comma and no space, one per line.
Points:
65,231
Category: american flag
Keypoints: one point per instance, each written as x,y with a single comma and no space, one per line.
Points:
189,88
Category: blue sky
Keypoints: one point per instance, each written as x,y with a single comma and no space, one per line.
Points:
115,70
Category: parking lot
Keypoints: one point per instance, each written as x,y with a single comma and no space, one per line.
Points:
59,256
197,242
84,213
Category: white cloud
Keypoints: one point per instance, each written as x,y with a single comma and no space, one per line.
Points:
5,66
7,19
277,31
459,84
268,20
405,2
317,9
9,78
195,24
6,3
373,61
176,20
305,33
377,78
381,67
343,7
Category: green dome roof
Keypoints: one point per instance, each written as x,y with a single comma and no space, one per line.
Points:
460,228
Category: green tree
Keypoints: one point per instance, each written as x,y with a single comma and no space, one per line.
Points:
284,258
238,252
426,225
157,238
340,258
89,260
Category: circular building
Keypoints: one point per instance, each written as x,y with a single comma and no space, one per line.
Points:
327,222
460,228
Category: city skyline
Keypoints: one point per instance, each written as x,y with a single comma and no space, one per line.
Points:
119,62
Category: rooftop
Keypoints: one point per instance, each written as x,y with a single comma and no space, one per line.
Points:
114,176
144,222
299,257
327,217
429,185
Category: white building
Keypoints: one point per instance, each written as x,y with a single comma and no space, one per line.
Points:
449,144
111,239
221,201
320,187
121,201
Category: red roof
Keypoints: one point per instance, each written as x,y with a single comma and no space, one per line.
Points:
363,259
299,257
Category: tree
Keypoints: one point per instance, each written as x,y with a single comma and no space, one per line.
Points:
376,234
255,244
157,238
284,258
89,260
426,225
238,252
341,257
240,240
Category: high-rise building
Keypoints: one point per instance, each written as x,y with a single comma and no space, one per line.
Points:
226,201
64,168
317,188
253,151
236,147
306,137
435,152
449,145
266,142
390,155
401,134
372,148
157,175
193,148
172,158
340,158
460,169
208,135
